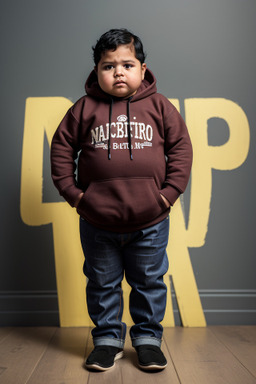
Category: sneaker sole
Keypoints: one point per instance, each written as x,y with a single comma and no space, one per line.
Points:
152,367
98,367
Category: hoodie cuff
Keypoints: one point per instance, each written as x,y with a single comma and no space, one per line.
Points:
71,194
171,193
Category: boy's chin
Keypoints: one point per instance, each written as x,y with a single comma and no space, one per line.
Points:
123,94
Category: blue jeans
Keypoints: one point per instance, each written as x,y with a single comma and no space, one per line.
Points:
141,255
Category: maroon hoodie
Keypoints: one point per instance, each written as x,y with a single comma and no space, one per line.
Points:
129,151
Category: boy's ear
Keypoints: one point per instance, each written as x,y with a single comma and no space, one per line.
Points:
143,68
96,70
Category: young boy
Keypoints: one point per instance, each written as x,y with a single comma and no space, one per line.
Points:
134,161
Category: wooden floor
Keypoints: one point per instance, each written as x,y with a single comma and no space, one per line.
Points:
50,355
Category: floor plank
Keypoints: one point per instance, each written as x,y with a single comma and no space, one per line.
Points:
4,331
211,355
241,341
20,351
199,358
62,361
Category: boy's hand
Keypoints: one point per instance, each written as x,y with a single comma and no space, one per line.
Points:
167,203
78,199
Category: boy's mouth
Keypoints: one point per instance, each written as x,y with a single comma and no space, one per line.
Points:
119,82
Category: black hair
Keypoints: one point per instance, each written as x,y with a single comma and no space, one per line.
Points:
111,39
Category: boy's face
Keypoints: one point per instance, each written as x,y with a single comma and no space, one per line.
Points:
119,72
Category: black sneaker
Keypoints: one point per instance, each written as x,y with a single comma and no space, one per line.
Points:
151,357
103,357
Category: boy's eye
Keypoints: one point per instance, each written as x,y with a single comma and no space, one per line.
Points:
108,67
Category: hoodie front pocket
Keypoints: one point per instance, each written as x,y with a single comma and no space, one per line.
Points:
120,201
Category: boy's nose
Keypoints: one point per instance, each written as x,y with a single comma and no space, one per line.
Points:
118,71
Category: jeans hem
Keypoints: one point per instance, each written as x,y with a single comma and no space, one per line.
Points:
109,341
137,341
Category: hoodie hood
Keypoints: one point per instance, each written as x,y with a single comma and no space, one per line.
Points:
147,87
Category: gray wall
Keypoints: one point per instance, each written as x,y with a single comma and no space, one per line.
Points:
197,49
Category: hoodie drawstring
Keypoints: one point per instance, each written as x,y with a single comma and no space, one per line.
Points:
109,129
129,128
